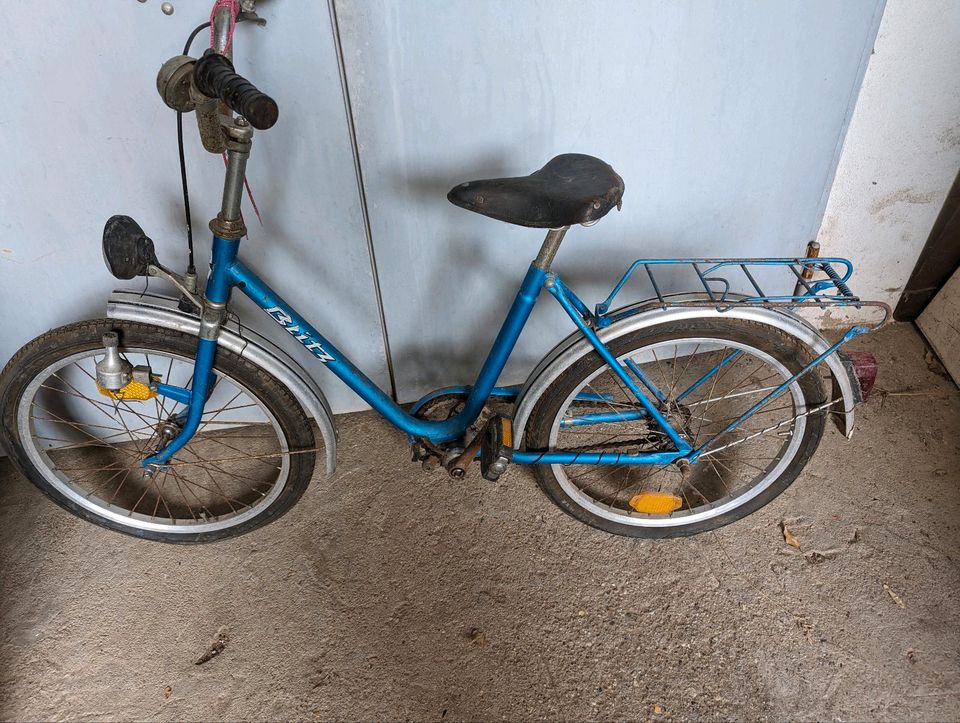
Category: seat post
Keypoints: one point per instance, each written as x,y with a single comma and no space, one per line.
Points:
551,244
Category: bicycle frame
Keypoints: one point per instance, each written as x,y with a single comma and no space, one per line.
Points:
227,272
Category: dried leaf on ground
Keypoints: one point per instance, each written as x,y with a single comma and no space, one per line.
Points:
477,637
789,537
167,692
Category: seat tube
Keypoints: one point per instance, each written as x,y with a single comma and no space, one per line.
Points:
513,325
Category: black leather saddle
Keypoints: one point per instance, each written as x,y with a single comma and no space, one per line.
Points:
570,189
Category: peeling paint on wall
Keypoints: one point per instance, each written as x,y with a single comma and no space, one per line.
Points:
904,195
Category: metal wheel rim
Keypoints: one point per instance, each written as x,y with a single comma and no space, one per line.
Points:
713,510
114,513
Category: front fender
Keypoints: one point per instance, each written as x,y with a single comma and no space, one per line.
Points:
163,311
575,347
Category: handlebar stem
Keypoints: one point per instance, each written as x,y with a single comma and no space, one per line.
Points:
229,223
233,183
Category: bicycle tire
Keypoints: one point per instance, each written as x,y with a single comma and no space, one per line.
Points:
783,348
59,344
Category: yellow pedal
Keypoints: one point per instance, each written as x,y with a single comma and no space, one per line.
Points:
655,503
133,391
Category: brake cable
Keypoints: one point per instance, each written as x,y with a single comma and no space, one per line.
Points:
191,268
235,17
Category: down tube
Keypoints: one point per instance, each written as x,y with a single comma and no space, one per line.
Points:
314,342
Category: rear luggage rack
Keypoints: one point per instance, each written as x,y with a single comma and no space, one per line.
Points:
731,283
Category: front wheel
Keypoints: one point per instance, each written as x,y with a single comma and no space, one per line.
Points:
708,373
249,462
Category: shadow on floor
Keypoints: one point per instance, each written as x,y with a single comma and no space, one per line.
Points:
392,593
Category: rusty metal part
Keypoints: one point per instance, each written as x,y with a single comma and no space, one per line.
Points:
813,251
238,130
429,455
443,407
497,450
225,228
653,441
208,122
459,465
453,402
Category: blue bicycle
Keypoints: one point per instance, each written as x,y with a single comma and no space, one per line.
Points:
170,420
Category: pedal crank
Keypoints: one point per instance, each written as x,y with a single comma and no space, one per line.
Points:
493,443
497,449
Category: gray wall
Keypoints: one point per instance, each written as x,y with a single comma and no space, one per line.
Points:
84,135
724,118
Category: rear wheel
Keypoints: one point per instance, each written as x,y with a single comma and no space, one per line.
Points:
744,468
249,462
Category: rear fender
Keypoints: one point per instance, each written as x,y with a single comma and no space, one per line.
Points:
163,311
576,346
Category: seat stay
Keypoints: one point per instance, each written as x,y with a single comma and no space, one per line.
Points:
564,295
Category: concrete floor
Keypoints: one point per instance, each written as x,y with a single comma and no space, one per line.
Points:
390,593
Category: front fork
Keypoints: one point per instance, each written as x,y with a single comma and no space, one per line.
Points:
203,380
228,228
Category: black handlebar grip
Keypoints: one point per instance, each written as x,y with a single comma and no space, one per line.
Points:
215,77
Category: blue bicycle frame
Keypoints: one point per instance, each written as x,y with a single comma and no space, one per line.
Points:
228,272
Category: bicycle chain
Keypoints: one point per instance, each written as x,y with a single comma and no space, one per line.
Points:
433,403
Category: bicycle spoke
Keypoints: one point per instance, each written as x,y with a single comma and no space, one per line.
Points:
122,481
719,476
83,431
229,467
183,495
235,449
203,507
722,398
214,481
690,357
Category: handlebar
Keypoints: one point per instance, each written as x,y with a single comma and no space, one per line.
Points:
215,77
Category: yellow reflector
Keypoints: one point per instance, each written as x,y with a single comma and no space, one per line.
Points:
507,435
655,503
135,391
